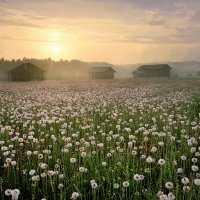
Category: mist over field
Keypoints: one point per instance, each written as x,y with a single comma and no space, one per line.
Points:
76,69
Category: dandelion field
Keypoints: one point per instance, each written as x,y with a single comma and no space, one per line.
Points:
101,140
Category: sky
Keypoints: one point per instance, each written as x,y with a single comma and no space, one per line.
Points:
115,31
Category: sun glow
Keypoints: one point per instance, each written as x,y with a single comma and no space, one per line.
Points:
54,46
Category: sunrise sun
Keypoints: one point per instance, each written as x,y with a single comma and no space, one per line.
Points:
54,46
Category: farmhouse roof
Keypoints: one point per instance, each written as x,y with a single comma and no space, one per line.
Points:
154,67
101,69
25,64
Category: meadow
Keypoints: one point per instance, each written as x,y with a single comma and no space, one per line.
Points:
100,140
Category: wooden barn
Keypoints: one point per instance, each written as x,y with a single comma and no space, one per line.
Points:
26,72
156,70
101,73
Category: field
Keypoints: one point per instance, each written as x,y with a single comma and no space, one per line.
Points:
100,140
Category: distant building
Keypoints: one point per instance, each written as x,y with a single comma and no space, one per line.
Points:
157,70
26,72
101,73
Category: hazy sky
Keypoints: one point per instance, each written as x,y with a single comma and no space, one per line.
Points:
117,31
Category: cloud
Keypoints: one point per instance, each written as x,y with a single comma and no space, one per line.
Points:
196,17
148,40
14,17
3,37
8,22
156,22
